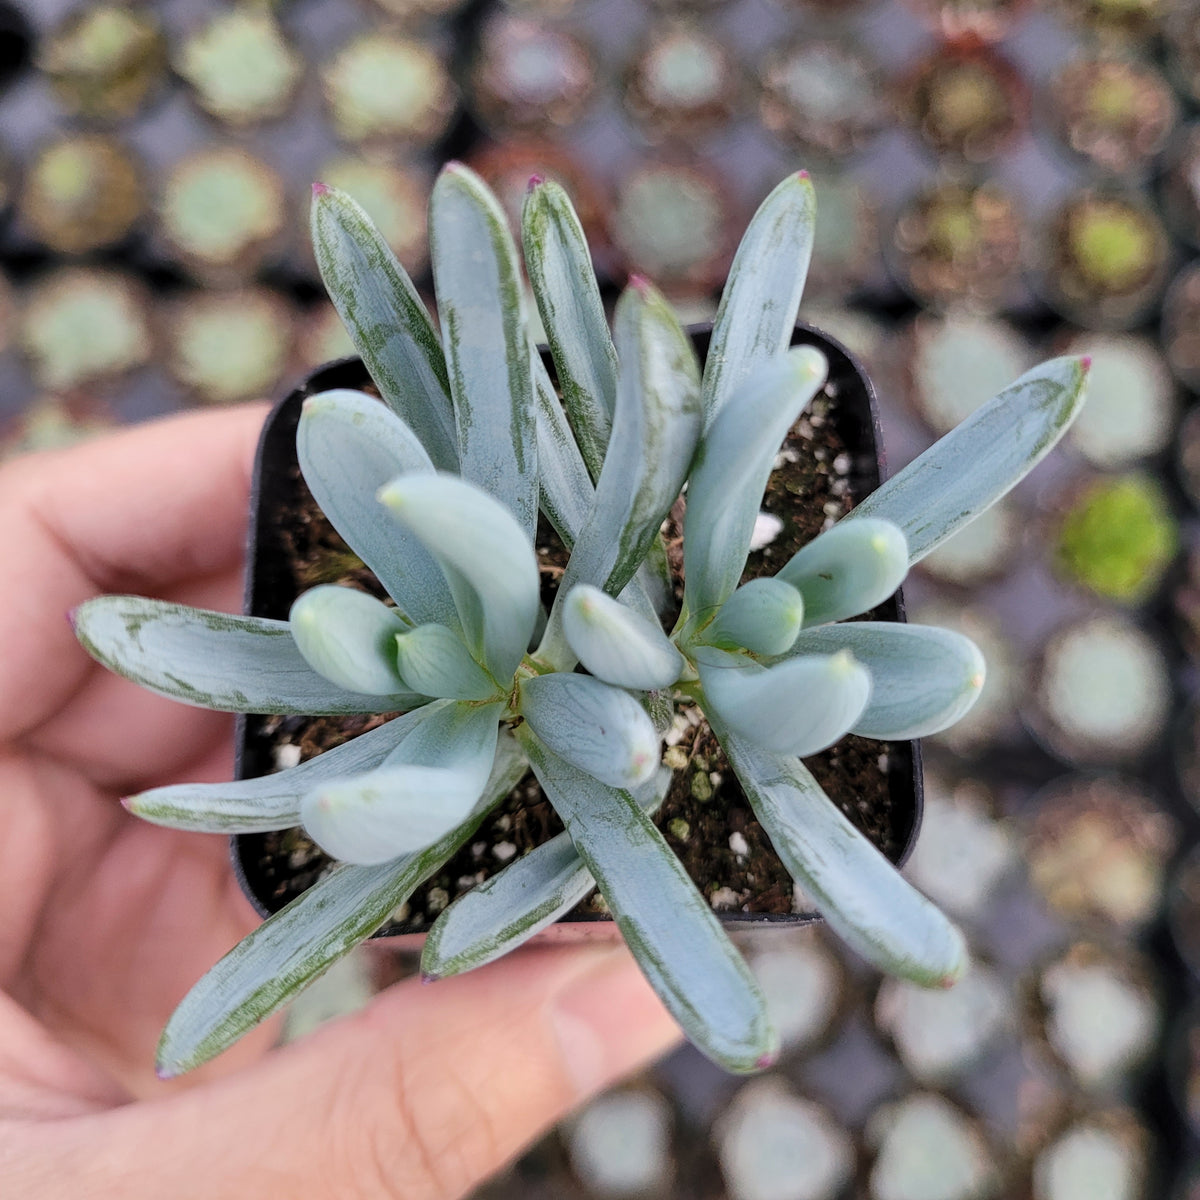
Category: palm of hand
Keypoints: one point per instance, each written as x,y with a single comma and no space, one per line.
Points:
107,920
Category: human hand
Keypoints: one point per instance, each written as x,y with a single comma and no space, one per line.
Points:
108,921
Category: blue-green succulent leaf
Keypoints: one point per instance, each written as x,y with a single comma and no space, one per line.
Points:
377,817
290,949
654,434
268,801
427,786
982,459
762,616
669,927
799,706
349,446
518,902
762,295
597,728
482,309
616,644
848,569
215,660
568,497
566,487
487,558
923,679
386,320
732,468
568,299
350,638
865,900
434,660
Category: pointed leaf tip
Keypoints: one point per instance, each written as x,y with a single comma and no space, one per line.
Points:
1086,362
640,284
535,181
320,189
802,174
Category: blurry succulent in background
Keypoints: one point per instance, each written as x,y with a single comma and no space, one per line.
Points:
438,490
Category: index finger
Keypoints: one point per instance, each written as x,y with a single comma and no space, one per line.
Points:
145,510
146,507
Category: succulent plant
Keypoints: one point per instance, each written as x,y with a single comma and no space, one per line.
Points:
438,490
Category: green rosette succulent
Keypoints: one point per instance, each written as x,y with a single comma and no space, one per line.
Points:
438,490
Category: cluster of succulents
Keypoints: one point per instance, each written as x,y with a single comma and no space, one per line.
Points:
438,490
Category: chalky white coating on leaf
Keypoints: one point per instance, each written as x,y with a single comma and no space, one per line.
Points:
426,786
757,314
982,459
923,678
667,924
266,802
762,616
349,637
295,945
847,570
566,487
862,896
482,310
510,907
349,445
799,706
616,644
215,660
386,320
488,560
568,298
597,728
434,661
655,428
732,467
376,817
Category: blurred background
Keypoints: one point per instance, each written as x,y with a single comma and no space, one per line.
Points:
997,182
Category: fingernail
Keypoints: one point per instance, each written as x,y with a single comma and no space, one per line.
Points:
609,1023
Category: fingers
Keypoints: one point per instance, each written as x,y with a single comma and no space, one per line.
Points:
426,1093
40,1078
145,510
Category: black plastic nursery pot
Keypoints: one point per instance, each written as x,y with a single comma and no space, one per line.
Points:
832,458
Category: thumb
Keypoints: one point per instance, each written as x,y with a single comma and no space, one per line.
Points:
425,1093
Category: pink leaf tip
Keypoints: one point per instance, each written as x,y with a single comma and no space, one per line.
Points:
802,174
71,617
429,977
1086,362
320,189
164,1073
126,803
639,283
767,1061
535,181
